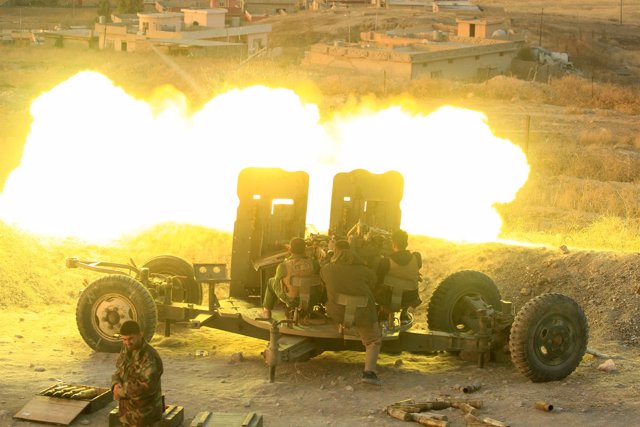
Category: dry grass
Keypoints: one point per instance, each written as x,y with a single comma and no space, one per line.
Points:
34,272
589,175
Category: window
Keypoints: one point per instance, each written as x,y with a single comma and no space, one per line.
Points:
436,74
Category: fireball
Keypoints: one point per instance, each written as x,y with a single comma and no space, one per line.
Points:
99,163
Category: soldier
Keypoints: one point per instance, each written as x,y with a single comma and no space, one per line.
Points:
279,286
347,274
136,381
402,264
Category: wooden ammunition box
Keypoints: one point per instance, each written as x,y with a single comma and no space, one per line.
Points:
221,419
46,408
102,399
172,417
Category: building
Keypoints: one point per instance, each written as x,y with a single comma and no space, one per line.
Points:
481,28
193,31
234,7
432,55
272,7
210,18
150,23
455,5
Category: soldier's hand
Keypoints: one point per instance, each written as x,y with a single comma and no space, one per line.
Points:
116,389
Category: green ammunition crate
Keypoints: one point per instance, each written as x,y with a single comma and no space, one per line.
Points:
172,417
221,419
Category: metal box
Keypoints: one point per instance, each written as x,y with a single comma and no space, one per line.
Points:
221,419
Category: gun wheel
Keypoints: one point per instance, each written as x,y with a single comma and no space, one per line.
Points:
447,310
107,303
548,337
186,289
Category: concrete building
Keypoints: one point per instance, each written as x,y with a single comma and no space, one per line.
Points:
482,28
432,55
272,7
210,18
72,38
170,32
455,5
158,22
234,7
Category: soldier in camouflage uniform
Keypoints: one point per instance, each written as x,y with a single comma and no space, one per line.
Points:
136,381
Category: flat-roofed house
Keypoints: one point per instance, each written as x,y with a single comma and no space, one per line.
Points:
482,28
166,21
210,18
431,55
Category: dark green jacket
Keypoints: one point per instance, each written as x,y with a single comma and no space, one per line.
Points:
349,276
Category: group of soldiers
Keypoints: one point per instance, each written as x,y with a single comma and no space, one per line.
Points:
136,382
346,273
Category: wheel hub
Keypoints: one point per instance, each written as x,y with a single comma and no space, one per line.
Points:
110,312
553,340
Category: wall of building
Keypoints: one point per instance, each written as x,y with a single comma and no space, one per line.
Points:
470,63
270,7
326,56
205,18
160,22
475,67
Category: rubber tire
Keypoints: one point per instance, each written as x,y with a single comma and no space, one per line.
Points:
442,314
191,291
528,332
128,289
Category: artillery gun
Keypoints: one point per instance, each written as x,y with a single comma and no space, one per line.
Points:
546,340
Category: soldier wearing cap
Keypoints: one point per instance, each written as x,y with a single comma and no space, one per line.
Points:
136,381
279,287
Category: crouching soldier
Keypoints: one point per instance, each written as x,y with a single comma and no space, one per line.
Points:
136,381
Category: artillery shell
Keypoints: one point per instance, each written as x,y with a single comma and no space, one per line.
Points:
61,391
435,416
398,413
543,406
469,388
468,409
427,420
475,403
493,422
85,394
47,391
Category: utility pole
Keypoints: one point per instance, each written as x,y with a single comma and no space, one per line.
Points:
540,39
620,12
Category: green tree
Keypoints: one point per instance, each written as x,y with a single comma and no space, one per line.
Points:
130,6
104,9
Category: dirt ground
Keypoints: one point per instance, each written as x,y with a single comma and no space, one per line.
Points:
40,346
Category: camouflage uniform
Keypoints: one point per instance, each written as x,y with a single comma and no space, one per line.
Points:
278,286
138,372
402,264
